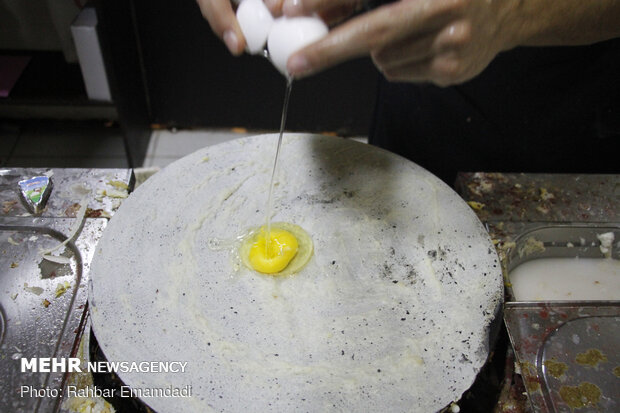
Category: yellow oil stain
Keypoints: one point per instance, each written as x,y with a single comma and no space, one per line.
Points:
591,358
555,368
581,396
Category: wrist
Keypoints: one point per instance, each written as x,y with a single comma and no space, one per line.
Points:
514,23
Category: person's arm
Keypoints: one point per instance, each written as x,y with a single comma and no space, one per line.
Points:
566,22
450,41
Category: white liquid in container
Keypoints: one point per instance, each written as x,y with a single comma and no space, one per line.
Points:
566,279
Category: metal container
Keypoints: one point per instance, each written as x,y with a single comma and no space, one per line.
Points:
567,350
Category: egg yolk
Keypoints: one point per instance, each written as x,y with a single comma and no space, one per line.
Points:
273,257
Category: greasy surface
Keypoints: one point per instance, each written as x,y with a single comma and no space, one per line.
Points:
71,185
391,312
41,302
565,213
28,283
542,197
549,339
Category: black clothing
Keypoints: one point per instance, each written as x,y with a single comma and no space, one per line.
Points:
547,109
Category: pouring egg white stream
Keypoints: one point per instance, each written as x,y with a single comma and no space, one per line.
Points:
285,248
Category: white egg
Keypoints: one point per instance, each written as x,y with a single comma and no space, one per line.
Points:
290,34
255,21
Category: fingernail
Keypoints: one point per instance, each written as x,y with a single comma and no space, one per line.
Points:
292,8
298,66
231,41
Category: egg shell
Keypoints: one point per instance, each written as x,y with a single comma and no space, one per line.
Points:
255,21
290,34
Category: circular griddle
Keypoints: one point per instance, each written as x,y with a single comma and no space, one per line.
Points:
392,313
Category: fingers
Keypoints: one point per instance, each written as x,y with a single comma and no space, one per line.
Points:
406,51
336,14
275,7
223,22
441,70
301,7
438,58
358,37
453,38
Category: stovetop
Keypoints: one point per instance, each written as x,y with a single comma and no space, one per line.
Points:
509,205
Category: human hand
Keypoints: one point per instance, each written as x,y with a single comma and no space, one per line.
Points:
223,22
440,41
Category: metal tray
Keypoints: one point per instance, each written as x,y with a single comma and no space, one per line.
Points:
567,350
35,321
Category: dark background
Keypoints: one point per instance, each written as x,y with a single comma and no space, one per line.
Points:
191,80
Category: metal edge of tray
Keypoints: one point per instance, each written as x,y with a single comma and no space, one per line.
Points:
545,318
68,336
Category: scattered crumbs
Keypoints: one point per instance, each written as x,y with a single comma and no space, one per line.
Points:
581,396
117,193
617,371
591,358
606,240
555,368
531,246
118,185
477,206
14,264
12,241
569,245
7,206
62,288
205,159
33,238
454,408
509,244
99,195
546,195
111,193
14,296
46,303
543,209
97,213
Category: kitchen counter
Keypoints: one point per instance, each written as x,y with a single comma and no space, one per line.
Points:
42,302
508,204
533,216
